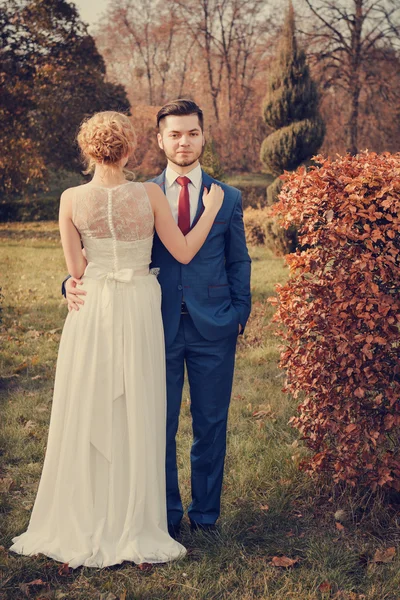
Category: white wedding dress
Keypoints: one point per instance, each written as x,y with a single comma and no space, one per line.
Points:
101,498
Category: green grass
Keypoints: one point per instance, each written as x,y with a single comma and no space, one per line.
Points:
261,467
244,180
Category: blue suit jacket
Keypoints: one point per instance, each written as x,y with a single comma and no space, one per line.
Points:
216,283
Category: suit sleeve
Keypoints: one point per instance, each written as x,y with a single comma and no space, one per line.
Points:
238,263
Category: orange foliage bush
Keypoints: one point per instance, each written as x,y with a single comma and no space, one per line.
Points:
339,315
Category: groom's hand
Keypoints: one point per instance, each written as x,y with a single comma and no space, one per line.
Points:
73,293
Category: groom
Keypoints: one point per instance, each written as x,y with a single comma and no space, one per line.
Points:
205,305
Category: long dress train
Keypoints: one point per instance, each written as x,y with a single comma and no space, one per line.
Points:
101,498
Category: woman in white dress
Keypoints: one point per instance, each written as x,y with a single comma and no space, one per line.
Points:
101,498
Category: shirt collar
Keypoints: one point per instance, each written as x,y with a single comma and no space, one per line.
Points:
194,175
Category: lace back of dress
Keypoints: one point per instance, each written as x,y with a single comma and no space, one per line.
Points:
123,213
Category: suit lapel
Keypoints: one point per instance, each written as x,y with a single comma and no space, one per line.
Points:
206,182
160,180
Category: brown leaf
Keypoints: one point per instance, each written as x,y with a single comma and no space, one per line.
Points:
64,569
339,526
123,595
145,566
384,556
325,587
290,534
329,215
29,425
264,507
25,587
6,484
284,561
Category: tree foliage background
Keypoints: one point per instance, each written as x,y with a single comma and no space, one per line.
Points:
53,73
52,76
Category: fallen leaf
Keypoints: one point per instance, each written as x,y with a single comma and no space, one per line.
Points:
339,526
284,561
325,587
64,569
6,484
29,425
384,556
123,595
264,507
145,566
290,534
25,587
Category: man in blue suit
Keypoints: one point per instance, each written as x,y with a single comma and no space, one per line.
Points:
205,305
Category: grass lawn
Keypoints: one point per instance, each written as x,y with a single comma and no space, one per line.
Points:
269,509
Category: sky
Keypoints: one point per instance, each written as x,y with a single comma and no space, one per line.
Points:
91,10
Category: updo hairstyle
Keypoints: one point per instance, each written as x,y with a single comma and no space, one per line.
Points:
105,138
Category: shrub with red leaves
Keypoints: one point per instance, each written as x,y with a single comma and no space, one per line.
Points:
339,315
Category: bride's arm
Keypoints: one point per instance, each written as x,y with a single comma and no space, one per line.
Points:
70,238
183,248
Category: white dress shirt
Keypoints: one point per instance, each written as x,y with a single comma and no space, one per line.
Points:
172,190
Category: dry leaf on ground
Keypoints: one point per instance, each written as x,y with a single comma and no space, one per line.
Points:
25,587
284,561
64,569
384,556
145,566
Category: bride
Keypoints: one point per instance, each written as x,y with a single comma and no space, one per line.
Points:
101,498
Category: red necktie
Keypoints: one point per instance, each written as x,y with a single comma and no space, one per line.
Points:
184,205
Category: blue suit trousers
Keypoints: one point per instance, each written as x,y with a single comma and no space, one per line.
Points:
210,367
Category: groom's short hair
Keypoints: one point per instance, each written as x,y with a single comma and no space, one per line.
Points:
178,108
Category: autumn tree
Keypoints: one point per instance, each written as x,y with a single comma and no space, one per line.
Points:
290,108
22,161
54,77
230,37
154,53
349,39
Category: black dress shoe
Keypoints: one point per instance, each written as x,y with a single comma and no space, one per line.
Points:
174,530
202,526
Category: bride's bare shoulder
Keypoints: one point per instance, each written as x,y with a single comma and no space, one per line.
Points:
154,193
152,187
70,193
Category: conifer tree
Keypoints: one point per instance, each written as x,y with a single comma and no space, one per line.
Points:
290,108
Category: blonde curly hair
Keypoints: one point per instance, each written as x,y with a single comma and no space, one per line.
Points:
106,138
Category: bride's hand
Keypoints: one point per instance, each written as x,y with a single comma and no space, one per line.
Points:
213,199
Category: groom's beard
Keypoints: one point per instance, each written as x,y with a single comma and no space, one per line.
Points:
184,161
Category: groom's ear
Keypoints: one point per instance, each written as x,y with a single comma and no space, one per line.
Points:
159,140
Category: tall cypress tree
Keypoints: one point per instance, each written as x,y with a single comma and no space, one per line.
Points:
291,108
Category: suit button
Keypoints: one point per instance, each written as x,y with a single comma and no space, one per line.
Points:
180,287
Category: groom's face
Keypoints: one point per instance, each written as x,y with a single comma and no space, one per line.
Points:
182,139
